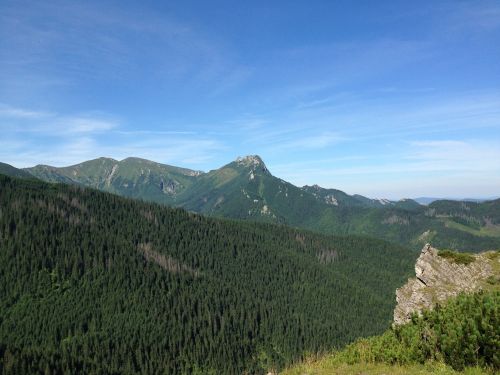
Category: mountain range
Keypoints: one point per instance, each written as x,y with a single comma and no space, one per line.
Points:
427,200
246,189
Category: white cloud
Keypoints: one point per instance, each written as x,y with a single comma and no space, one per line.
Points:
62,140
63,151
45,44
86,125
22,113
426,167
154,132
16,119
457,155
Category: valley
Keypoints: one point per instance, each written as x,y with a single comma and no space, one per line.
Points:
245,189
95,282
249,187
236,288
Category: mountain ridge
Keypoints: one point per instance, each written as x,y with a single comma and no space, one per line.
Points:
427,200
246,189
250,161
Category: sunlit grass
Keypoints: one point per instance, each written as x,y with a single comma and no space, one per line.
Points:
329,365
483,231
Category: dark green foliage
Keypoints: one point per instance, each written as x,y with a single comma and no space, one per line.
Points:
467,212
459,258
95,283
463,332
493,280
340,198
245,189
9,170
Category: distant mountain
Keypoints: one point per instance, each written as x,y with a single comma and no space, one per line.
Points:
408,204
425,200
131,177
336,197
246,189
429,200
245,181
9,170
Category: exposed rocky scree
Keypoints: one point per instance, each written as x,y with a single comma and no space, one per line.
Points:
439,278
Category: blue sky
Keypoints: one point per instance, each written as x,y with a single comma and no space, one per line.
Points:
388,98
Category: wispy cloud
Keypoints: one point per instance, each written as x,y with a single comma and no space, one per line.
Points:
22,120
402,116
444,165
12,112
319,141
457,155
320,69
479,16
47,43
410,92
60,140
423,156
154,132
177,151
86,125
250,123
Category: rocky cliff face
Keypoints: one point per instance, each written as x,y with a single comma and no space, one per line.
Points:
439,278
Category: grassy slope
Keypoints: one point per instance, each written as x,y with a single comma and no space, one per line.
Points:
131,177
328,366
483,231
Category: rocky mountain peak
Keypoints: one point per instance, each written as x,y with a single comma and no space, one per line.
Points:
249,160
252,161
442,275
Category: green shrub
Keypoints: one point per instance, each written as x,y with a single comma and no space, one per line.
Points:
465,332
493,280
458,258
494,255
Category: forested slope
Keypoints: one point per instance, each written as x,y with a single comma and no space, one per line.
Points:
92,282
246,189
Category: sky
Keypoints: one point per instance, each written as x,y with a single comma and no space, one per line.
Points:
387,99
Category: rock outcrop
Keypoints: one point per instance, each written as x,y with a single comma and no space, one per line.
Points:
254,162
439,278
